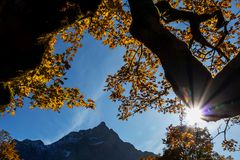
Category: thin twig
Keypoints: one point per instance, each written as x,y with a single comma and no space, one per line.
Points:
224,131
133,58
136,70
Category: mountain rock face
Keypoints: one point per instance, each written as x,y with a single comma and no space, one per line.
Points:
99,143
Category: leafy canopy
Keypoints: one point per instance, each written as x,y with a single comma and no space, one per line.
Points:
7,147
140,83
187,143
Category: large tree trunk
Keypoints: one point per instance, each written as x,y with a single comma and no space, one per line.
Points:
186,74
192,82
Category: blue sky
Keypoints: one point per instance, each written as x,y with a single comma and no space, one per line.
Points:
89,70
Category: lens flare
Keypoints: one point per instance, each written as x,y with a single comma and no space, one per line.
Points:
193,115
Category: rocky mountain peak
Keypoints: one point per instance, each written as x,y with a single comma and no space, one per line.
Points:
98,143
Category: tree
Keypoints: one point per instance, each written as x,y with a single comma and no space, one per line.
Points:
149,40
31,44
190,80
184,142
188,143
7,147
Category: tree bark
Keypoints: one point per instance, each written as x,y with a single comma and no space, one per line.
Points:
191,81
186,74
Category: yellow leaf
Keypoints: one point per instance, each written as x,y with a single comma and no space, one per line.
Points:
13,113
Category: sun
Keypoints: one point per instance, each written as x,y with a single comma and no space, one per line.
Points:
193,115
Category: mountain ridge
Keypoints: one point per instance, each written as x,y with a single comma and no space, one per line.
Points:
98,143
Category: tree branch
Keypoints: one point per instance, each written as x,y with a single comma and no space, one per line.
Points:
224,131
186,74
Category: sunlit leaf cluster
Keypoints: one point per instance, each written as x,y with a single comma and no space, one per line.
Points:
187,143
184,142
188,138
230,145
7,147
44,87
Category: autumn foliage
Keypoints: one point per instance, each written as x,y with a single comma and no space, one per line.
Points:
7,147
140,83
141,70
188,143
